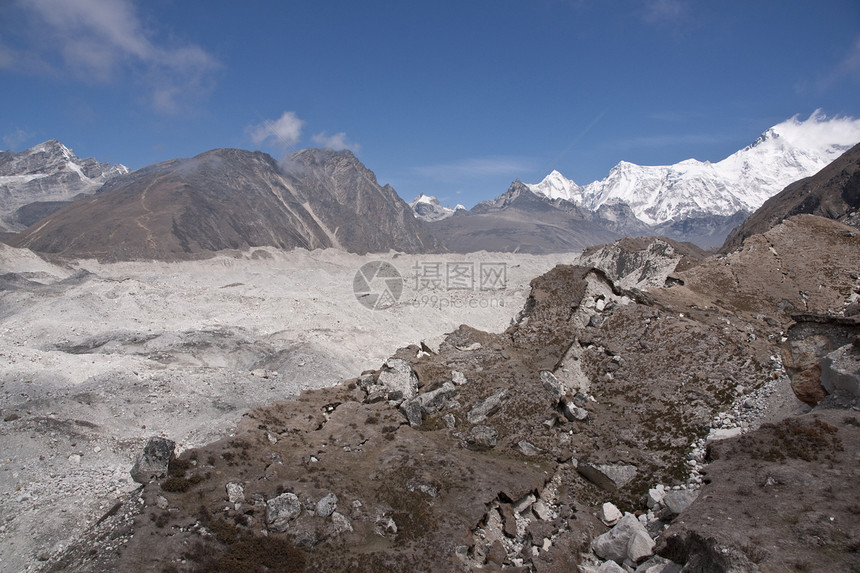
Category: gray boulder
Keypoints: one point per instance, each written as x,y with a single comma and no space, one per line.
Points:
399,380
840,370
412,410
282,510
607,476
481,438
326,505
488,406
624,541
152,462
676,501
438,399
552,385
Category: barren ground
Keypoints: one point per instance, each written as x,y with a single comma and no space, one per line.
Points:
95,358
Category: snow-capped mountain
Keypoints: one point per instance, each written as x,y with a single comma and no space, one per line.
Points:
428,208
789,151
48,173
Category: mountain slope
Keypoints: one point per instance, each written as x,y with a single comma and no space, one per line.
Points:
230,198
783,154
428,208
833,192
43,178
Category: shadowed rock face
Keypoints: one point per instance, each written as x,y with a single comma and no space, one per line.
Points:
230,198
833,192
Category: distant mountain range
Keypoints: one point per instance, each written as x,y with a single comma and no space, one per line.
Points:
40,180
694,201
319,198
233,199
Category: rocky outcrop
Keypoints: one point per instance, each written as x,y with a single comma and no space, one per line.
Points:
153,461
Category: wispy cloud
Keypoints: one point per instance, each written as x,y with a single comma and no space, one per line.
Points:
16,138
819,130
663,11
338,141
476,167
846,69
104,41
283,132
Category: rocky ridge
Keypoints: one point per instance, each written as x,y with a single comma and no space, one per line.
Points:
503,451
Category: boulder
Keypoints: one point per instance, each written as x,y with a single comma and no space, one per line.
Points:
574,413
152,462
282,510
552,385
806,385
614,543
235,492
488,406
458,377
326,506
640,546
722,434
655,496
399,380
438,399
607,476
412,410
609,513
611,567
481,438
676,501
840,371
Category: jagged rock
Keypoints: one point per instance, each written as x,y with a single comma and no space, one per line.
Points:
326,506
438,399
526,448
282,510
152,462
552,384
596,320
607,476
574,413
657,564
655,496
488,406
235,492
497,553
840,371
541,510
412,410
609,513
640,546
509,520
523,504
458,377
614,543
399,380
676,501
341,523
481,438
610,567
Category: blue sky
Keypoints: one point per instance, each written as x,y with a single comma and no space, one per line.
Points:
454,99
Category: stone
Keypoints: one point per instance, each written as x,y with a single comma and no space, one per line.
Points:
596,320
840,371
235,492
497,553
438,399
326,506
609,477
541,510
655,496
488,406
523,504
640,546
152,462
458,377
161,502
526,448
611,567
282,510
657,564
509,520
806,385
75,459
609,513
481,438
574,413
412,410
613,544
399,380
342,524
677,501
718,434
552,385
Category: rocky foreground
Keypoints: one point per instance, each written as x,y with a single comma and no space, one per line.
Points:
607,430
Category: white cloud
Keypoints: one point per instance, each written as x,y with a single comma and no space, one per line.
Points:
104,41
284,132
476,167
16,138
820,131
338,141
657,11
